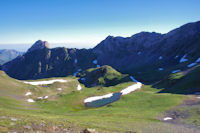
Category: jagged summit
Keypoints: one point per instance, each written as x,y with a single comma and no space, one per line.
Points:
39,45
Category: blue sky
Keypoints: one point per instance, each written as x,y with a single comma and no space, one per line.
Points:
84,23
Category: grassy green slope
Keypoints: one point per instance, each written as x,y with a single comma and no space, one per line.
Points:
103,76
131,112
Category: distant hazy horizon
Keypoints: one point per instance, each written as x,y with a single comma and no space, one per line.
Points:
83,24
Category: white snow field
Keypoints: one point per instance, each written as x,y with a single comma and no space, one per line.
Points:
79,87
131,88
45,82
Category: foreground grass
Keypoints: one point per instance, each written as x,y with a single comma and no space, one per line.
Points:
137,111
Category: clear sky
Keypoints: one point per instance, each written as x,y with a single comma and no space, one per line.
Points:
84,23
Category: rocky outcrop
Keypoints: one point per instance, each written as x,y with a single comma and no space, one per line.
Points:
39,45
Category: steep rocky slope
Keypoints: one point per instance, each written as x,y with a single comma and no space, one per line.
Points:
41,62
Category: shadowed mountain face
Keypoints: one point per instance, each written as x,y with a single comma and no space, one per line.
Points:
41,62
148,56
7,55
146,48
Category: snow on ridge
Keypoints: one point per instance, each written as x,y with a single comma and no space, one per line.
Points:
94,61
183,59
45,82
90,99
79,87
175,71
28,93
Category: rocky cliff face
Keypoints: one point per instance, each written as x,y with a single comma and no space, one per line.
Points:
39,45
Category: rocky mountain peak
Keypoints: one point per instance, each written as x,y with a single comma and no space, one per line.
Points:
39,45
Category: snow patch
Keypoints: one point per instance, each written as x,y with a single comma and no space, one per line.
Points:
198,97
83,79
176,57
40,98
131,88
183,59
133,79
198,60
30,101
28,93
94,61
167,118
79,87
175,71
75,61
13,119
90,99
139,53
45,97
59,89
160,69
45,82
192,64
75,74
79,70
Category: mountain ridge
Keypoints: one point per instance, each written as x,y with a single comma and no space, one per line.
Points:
142,52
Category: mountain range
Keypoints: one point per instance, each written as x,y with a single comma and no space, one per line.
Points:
140,55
